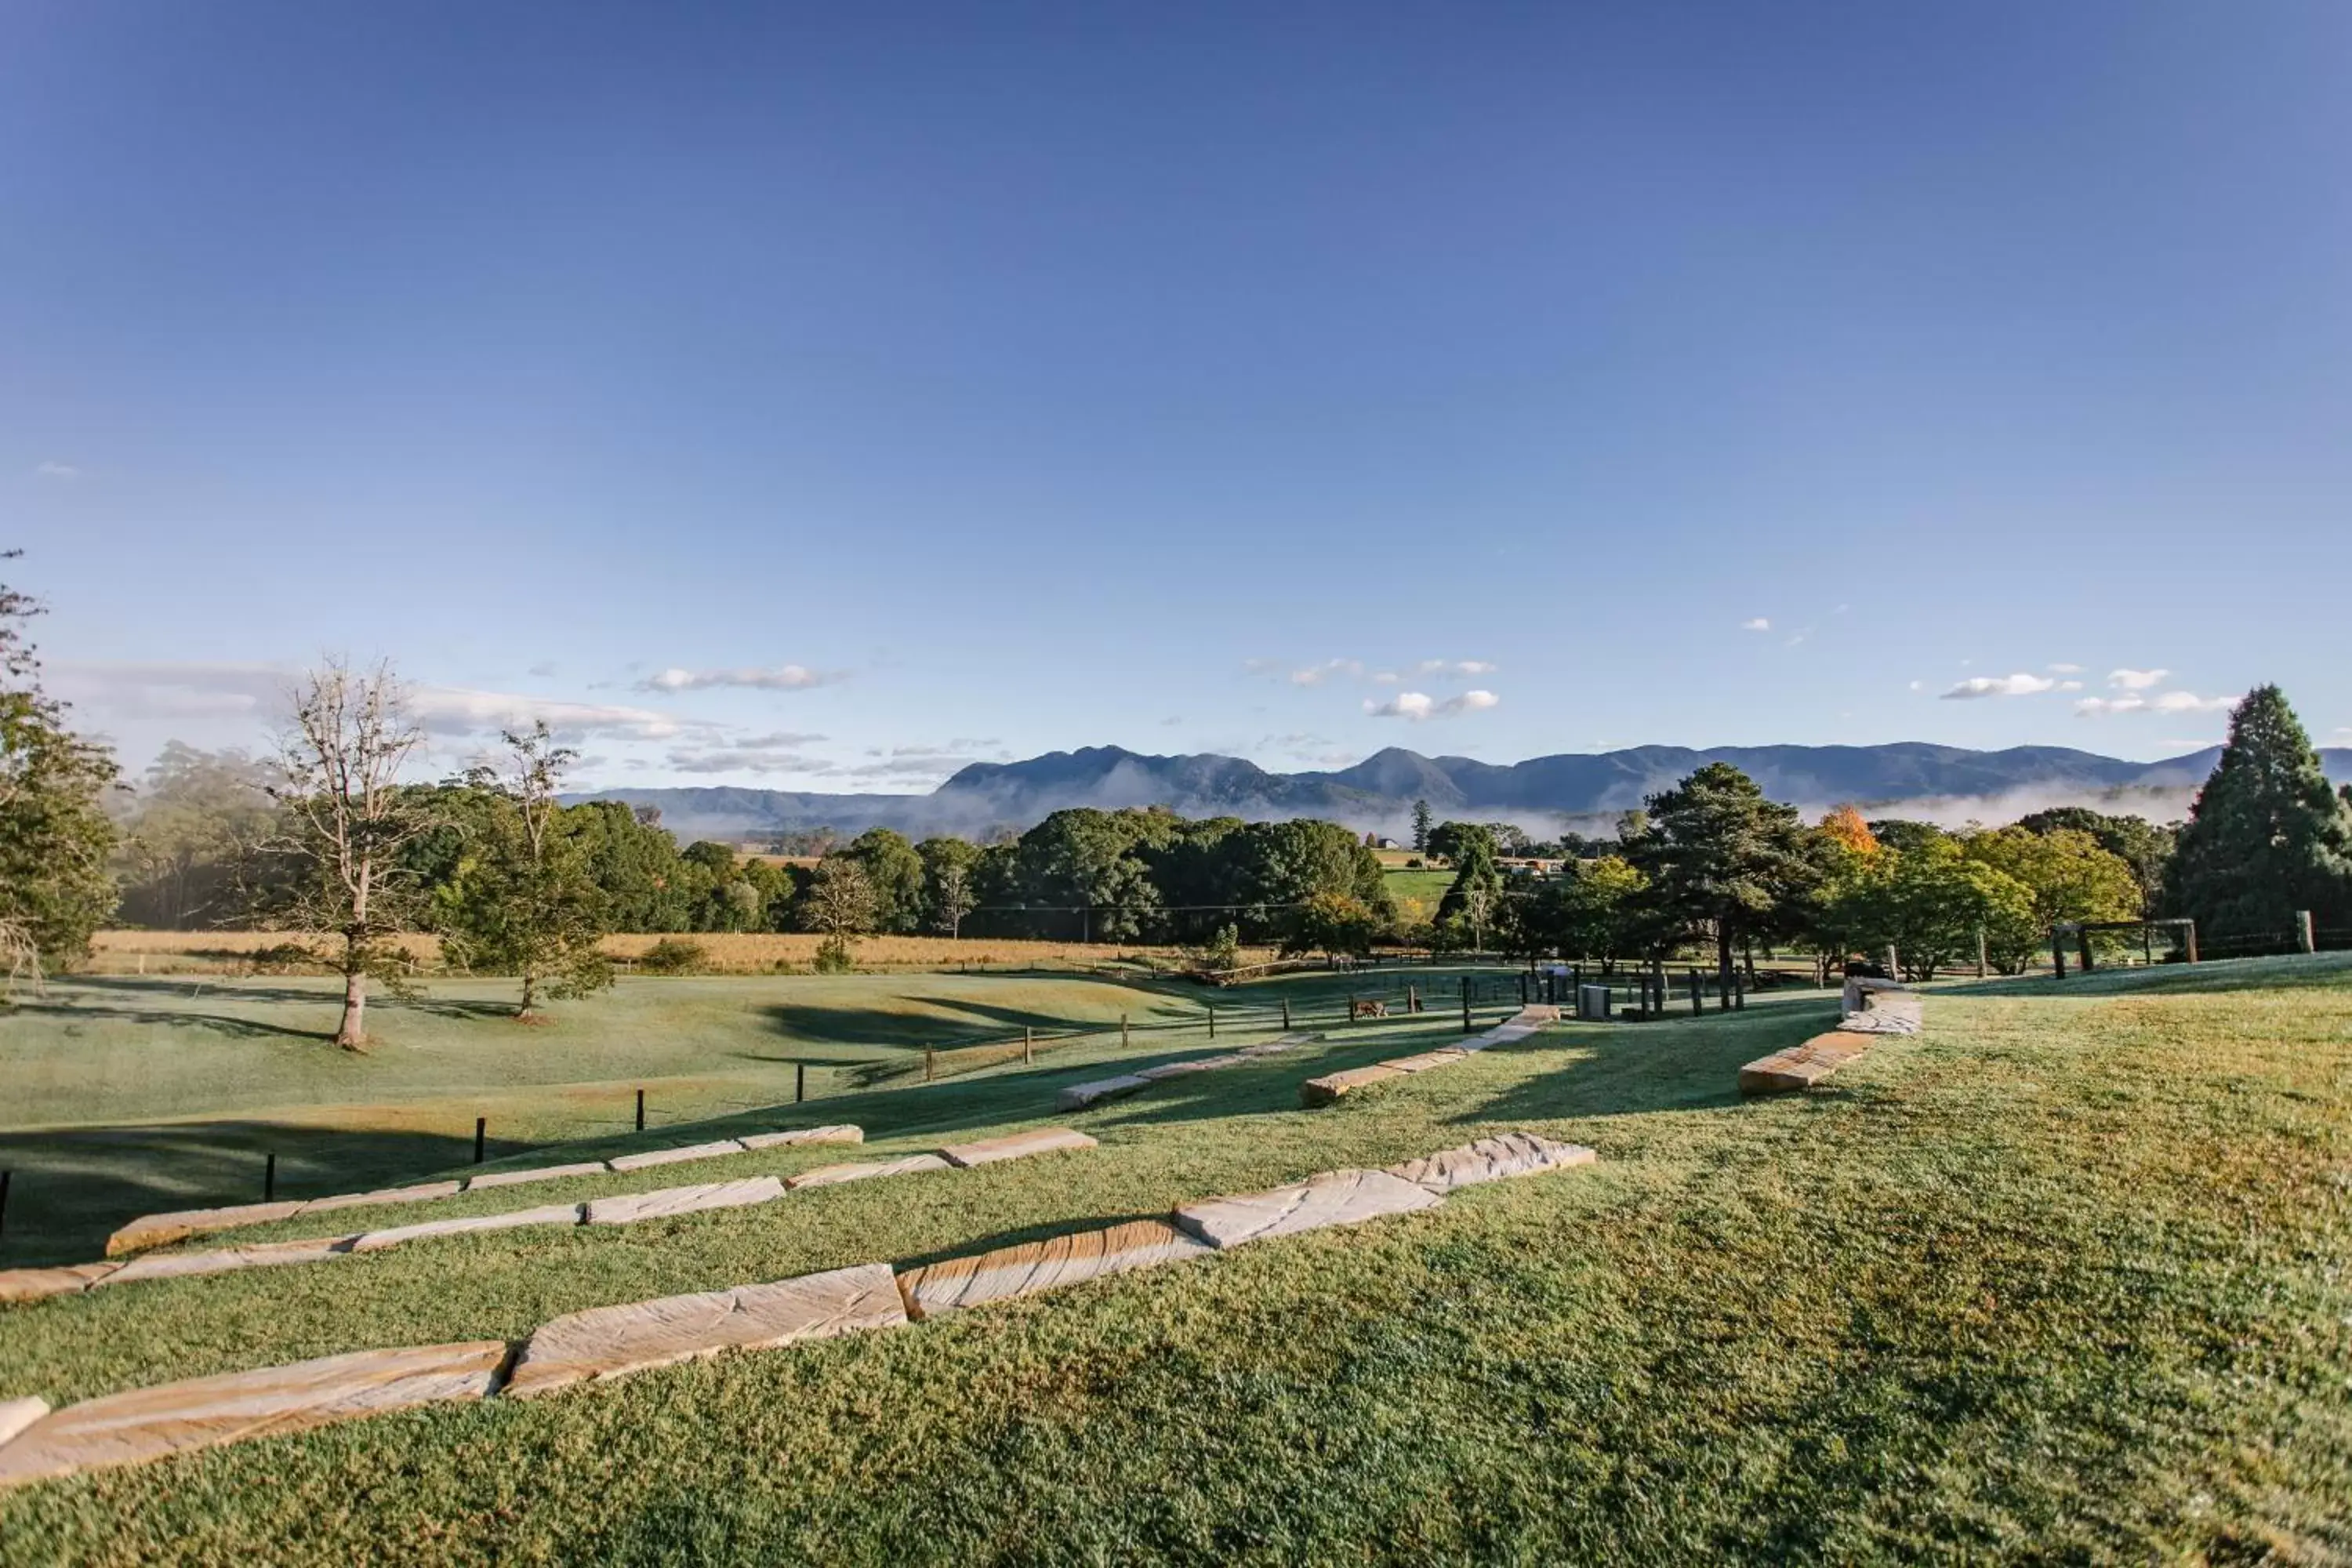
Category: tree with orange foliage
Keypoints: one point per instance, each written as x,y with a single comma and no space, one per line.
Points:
1845,824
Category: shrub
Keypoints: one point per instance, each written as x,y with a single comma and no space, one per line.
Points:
833,956
673,955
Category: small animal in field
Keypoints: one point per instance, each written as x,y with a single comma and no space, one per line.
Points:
1370,1010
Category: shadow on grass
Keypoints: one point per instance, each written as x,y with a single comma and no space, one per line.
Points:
71,1188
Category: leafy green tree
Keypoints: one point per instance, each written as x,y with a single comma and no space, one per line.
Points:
895,871
636,863
1895,833
1420,822
2065,873
1593,910
1283,865
524,900
2267,836
1721,859
55,833
199,821
1452,840
1339,924
950,891
1093,863
2139,842
1928,904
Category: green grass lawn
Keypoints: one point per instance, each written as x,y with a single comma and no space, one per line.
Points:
2064,1278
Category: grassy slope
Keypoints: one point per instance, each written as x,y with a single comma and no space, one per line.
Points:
128,1095
2063,1277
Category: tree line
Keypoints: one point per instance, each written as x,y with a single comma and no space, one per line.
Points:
328,840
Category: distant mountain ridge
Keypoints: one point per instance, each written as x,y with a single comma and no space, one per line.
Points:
1377,794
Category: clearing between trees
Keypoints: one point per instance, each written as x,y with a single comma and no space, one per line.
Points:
2063,1275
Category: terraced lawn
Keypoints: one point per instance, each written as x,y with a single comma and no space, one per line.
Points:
2061,1277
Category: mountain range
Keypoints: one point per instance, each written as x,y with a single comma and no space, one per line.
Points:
1580,791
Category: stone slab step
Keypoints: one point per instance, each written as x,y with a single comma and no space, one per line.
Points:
1280,1044
840,1134
151,1423
15,1414
1884,1013
1492,1160
515,1219
37,1284
830,1175
652,1157
1443,1057
1015,1146
1333,1197
613,1342
633,1206
1197,1064
423,1193
221,1260
1801,1066
161,1229
1048,1265
1078,1096
537,1174
1331,1085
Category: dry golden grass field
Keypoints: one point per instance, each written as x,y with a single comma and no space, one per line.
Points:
232,953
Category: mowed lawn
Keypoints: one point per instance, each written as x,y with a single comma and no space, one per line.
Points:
124,1095
2062,1279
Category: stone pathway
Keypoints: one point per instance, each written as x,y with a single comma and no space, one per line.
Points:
1873,1007
37,1443
1330,1087
1079,1096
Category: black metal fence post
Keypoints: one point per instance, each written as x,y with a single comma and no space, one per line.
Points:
269,1176
481,1137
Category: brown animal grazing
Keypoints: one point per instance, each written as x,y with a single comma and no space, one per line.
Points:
1370,1010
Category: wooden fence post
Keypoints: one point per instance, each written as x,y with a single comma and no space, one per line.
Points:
641,1109
1465,1005
1028,1045
931,1062
1285,1014
2192,940
800,1082
1123,1040
1212,1023
2304,939
1980,952
5,1177
481,1137
269,1176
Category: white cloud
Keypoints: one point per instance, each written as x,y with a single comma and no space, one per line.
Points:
1385,677
2065,669
2135,680
1464,667
53,470
735,761
783,677
1760,624
2019,685
1918,686
455,711
1416,706
173,691
2070,685
1315,674
2162,702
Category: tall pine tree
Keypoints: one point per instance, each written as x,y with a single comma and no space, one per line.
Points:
2267,834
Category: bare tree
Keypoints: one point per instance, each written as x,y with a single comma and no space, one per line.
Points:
339,756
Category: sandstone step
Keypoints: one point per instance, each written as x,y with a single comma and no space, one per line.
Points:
1333,1197
632,1207
830,1175
1048,1265
65,1280
150,1423
613,1342
1016,1146
537,1174
221,1260
1280,1044
1331,1085
1492,1160
841,1134
423,1193
1801,1066
675,1156
161,1229
547,1213
15,1414
1078,1096
1443,1057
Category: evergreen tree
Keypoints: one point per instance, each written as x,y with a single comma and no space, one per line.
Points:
1477,894
1421,821
1721,859
2267,834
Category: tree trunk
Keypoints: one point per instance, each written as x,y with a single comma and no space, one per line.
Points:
1723,954
351,1033
530,992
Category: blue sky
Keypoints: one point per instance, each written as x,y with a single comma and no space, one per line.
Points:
819,396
